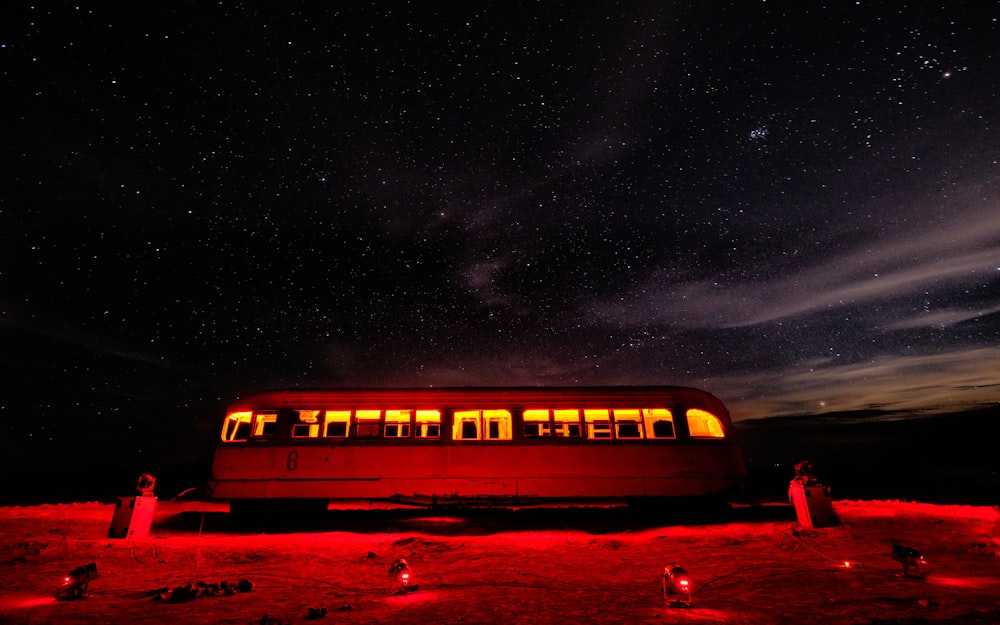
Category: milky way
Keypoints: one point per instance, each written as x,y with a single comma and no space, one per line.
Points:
796,207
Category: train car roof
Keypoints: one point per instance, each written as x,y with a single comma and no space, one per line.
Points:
577,396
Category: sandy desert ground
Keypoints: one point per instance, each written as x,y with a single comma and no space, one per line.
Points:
755,565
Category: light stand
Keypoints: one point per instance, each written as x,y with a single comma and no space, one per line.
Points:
676,586
75,584
399,574
913,562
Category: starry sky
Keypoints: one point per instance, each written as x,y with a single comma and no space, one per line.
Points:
793,205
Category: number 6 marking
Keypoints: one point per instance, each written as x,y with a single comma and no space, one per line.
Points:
292,462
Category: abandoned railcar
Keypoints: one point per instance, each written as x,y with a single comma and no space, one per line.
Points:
469,446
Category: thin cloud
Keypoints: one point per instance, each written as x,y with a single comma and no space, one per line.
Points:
940,382
920,262
943,318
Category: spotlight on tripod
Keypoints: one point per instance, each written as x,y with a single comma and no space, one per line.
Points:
913,562
676,585
399,575
75,583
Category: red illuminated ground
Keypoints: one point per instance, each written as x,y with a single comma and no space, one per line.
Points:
757,566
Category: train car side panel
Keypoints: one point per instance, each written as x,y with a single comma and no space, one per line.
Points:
586,471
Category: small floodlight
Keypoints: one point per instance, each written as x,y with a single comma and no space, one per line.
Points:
145,484
804,472
913,562
75,583
400,574
676,585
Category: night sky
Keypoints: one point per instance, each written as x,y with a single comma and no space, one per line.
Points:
793,205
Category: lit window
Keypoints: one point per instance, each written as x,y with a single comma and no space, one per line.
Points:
397,424
627,423
366,423
567,422
335,423
428,424
308,425
659,423
598,423
497,425
265,425
702,424
236,427
466,426
536,423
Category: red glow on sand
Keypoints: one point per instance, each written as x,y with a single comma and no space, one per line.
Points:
963,582
413,598
37,601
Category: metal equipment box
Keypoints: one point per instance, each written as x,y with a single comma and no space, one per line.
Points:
133,517
813,504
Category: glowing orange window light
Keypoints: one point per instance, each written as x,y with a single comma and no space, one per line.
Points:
659,423
397,423
598,422
536,422
264,424
309,416
628,423
428,424
335,423
308,425
496,425
704,424
466,426
567,422
366,423
237,426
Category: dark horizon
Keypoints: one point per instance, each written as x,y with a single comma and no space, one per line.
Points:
865,456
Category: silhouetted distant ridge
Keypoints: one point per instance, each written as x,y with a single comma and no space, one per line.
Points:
879,454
